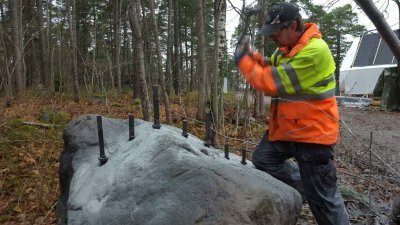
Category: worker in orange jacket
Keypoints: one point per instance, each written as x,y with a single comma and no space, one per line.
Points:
304,118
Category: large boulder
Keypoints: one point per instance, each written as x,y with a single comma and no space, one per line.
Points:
163,178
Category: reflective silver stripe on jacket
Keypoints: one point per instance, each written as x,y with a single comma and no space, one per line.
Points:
278,81
298,97
293,77
276,54
325,82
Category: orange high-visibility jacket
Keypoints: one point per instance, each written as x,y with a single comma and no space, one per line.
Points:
302,84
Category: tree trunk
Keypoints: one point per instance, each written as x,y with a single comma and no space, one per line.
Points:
136,93
44,56
398,34
16,10
176,74
260,111
181,66
134,19
216,58
117,43
60,34
50,48
31,56
193,76
95,50
168,67
74,53
147,53
5,59
246,118
187,72
182,87
222,61
161,76
381,25
82,35
125,52
201,61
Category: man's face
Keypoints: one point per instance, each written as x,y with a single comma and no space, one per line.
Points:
285,37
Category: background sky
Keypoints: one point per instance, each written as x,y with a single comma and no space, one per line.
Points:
387,7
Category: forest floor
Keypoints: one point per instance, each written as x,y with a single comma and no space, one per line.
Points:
29,152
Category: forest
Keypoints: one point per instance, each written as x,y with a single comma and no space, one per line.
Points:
95,48
60,59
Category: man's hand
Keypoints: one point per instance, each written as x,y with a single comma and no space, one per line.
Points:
242,49
258,58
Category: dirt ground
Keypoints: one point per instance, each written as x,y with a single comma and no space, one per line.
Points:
369,185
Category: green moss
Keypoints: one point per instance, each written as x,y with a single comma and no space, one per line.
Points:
197,123
62,118
15,123
100,97
229,97
190,97
14,132
5,147
54,117
136,102
255,125
117,105
24,132
126,90
349,193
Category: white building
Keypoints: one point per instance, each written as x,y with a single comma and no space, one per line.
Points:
365,61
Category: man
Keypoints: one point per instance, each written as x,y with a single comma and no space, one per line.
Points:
304,118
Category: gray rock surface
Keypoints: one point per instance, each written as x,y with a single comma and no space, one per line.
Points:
162,178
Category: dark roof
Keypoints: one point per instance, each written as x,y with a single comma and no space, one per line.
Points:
373,50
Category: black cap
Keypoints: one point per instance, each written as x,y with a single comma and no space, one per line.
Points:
277,16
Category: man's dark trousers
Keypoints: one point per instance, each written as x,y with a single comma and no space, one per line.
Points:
314,175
